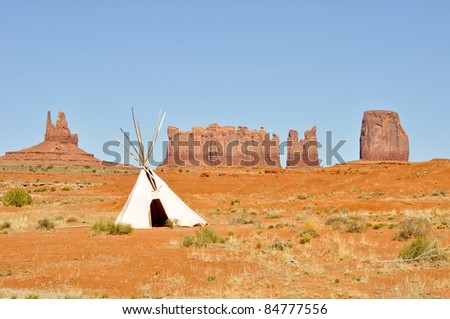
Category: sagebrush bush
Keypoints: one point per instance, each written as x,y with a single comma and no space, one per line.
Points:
45,224
110,228
413,227
278,244
71,220
203,237
352,224
336,221
5,225
307,235
17,197
356,225
423,248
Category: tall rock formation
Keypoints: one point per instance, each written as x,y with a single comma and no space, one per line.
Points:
60,147
59,133
302,153
221,146
383,137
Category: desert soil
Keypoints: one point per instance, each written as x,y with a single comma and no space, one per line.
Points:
259,213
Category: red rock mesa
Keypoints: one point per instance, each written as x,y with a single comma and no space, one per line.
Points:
383,137
60,147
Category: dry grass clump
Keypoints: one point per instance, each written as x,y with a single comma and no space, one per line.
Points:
45,225
352,224
202,238
423,248
307,235
278,244
413,227
5,225
110,228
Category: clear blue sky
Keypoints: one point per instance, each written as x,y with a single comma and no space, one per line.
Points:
278,64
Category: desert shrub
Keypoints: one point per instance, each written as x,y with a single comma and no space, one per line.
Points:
241,221
356,225
71,220
65,189
40,190
302,196
45,225
5,225
8,272
336,221
352,224
413,227
378,226
272,214
371,195
110,228
203,237
423,248
278,244
307,235
17,197
235,201
172,223
440,192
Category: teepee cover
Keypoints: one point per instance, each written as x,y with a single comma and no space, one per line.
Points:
152,202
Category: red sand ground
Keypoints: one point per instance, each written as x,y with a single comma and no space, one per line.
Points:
71,262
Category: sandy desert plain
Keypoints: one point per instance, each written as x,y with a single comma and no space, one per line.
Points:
308,233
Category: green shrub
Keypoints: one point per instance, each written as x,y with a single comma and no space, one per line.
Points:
413,227
65,189
423,248
17,197
188,241
110,228
5,225
40,190
45,225
378,226
203,237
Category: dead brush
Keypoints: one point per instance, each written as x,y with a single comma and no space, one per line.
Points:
413,227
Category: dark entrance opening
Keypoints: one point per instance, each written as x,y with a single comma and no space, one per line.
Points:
158,215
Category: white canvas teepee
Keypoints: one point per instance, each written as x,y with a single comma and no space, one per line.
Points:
152,202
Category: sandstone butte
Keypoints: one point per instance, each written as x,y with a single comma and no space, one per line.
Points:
304,152
383,137
221,146
60,147
218,145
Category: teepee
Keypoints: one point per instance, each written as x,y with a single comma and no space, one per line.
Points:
152,202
